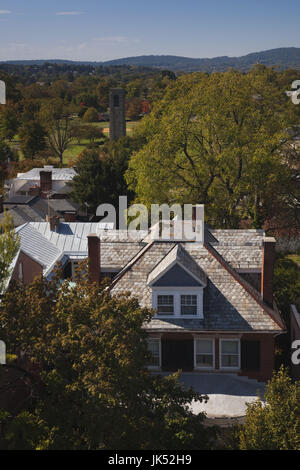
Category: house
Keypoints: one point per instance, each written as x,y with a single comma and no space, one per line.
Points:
40,194
46,182
38,209
213,300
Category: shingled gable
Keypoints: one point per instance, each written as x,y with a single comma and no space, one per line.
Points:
230,303
273,313
180,258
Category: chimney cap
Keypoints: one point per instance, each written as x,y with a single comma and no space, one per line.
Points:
269,240
93,235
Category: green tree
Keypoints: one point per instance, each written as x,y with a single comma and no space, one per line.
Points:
100,175
93,390
134,108
286,284
32,138
90,115
276,424
9,122
9,246
92,133
216,139
56,118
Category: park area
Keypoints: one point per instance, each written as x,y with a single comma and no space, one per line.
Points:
76,145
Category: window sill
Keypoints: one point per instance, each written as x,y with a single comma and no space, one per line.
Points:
204,368
188,317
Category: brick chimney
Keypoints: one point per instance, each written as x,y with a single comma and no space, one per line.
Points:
94,257
267,271
54,221
70,216
45,183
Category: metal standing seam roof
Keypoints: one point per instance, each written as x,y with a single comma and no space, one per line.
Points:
36,246
47,246
58,174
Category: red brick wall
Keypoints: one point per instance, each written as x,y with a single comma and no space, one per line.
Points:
94,257
267,351
267,356
268,270
31,269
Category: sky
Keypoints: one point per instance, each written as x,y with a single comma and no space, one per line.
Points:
102,30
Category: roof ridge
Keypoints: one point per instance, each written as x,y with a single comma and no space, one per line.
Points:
251,291
167,254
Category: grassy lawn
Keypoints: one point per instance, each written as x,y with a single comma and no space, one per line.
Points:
75,149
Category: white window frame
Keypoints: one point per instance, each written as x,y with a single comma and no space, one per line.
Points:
152,367
177,292
196,367
238,367
165,305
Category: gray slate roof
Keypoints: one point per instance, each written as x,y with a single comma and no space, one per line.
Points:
229,303
178,255
22,214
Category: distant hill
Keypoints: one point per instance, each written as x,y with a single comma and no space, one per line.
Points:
285,57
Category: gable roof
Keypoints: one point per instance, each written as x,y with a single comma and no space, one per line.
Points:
228,304
177,255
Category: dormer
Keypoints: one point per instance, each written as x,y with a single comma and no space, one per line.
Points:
177,284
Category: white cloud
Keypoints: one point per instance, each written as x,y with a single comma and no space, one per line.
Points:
5,12
69,13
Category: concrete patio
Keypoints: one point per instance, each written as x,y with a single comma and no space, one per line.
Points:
228,393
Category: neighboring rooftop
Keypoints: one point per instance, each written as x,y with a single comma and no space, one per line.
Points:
58,174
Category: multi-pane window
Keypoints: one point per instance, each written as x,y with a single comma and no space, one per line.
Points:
230,353
204,353
154,349
165,304
188,304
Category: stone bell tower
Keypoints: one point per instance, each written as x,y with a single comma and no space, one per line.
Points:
117,122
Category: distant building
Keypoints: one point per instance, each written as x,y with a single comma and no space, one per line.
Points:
42,182
117,122
40,194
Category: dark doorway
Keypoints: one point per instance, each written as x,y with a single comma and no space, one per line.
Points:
250,355
177,355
